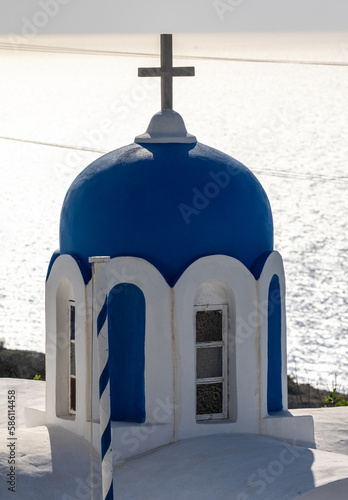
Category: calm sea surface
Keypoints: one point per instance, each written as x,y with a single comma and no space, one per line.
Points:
287,122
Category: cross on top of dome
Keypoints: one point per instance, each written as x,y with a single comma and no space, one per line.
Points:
167,72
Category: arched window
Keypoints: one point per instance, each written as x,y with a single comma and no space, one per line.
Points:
126,322
66,358
72,358
274,373
214,339
211,362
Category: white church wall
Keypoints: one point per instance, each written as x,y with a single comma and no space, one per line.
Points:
297,430
128,438
94,362
65,282
170,352
273,266
221,279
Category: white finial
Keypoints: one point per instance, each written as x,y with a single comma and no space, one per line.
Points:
166,127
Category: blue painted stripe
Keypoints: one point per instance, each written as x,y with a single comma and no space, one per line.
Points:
274,373
106,440
110,493
102,315
126,320
104,379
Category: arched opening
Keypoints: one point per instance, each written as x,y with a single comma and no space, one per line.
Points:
214,331
65,354
274,372
126,322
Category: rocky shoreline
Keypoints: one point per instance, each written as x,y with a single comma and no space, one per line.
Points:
16,363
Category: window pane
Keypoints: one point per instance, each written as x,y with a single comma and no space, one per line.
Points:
209,399
73,394
72,359
209,362
209,326
72,322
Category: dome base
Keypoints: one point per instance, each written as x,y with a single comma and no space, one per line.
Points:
166,127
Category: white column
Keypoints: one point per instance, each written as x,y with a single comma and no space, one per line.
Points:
100,312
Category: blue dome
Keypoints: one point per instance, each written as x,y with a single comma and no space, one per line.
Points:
169,204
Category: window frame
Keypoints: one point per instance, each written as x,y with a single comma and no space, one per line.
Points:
204,345
72,411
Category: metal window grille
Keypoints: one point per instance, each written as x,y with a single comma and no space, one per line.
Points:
72,359
211,362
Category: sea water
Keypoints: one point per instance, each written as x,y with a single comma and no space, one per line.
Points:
287,122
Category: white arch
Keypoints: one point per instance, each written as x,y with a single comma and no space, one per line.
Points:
234,278
218,293
159,379
65,281
273,266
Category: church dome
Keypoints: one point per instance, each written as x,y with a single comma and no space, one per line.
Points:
168,203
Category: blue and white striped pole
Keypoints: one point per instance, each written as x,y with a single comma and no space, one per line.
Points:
100,297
